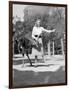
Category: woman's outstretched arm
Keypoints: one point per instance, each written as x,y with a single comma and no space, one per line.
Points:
49,31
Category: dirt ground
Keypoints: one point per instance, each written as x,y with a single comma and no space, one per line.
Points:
52,72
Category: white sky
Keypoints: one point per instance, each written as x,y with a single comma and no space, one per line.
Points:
18,10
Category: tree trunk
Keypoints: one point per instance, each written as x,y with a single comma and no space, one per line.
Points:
49,48
53,49
62,46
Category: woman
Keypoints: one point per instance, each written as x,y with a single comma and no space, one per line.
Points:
36,35
37,30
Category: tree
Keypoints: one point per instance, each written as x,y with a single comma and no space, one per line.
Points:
51,17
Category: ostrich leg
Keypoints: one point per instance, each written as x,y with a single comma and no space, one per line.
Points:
29,59
23,56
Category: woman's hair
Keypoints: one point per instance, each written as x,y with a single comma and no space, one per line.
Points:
38,20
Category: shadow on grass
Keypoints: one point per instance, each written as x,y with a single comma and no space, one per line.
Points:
24,78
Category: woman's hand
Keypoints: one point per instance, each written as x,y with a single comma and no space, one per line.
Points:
53,30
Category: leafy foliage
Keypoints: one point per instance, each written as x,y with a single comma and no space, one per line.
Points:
56,20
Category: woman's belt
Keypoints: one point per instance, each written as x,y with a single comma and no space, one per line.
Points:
37,36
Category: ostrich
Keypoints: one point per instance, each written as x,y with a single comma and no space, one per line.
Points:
26,43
